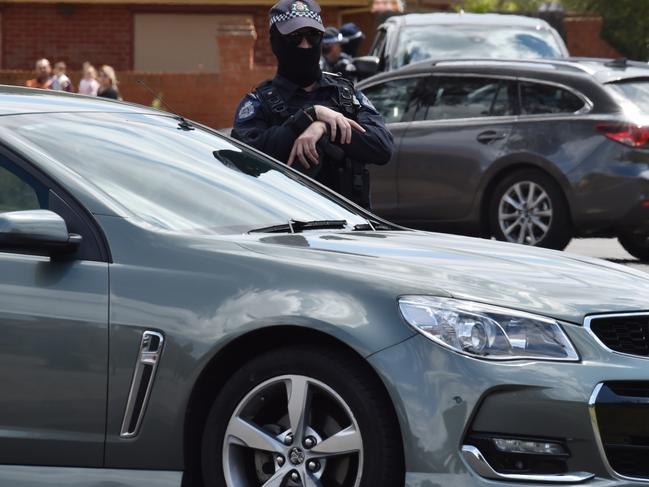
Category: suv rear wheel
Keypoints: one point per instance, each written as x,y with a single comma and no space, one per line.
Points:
528,207
302,417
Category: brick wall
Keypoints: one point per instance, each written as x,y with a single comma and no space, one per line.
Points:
211,99
102,34
207,98
583,37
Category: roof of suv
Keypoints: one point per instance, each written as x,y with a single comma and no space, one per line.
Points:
602,70
469,19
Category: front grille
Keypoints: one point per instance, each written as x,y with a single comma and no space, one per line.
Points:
621,409
625,334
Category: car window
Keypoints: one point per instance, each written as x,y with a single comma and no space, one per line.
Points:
379,44
539,98
418,43
463,97
394,99
633,93
19,193
178,180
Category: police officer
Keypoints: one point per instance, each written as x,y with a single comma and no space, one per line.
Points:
334,60
313,121
352,38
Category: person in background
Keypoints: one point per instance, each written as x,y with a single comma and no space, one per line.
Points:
108,83
43,77
60,81
353,37
334,60
89,84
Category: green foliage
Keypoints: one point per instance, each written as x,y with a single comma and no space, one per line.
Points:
626,23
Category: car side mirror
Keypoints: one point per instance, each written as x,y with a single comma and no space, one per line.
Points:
38,231
366,66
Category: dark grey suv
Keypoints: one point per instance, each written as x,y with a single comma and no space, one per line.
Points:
534,152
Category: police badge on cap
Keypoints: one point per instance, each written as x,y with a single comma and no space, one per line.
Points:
291,15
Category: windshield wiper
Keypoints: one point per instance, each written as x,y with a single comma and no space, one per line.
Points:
295,226
372,225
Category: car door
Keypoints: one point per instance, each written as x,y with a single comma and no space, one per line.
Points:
460,128
393,99
53,337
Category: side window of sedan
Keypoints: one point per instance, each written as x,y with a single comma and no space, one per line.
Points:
537,98
394,99
18,191
454,97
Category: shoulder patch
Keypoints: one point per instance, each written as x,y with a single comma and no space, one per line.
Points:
365,101
247,109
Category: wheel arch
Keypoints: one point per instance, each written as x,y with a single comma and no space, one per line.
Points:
509,165
232,356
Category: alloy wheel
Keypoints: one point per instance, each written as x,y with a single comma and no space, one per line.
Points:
292,431
525,213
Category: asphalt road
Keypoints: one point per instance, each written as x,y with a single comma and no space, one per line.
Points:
605,248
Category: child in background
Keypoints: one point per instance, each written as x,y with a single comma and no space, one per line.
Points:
89,84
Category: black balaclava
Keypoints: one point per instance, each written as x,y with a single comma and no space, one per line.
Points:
296,64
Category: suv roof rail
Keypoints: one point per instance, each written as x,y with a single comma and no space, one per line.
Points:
546,63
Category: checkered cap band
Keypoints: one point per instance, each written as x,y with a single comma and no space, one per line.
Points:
294,14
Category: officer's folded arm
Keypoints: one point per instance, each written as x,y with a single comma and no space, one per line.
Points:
340,127
304,149
374,146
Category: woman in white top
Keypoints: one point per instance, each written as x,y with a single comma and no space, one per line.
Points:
89,84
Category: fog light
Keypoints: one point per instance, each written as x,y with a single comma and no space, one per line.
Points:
507,445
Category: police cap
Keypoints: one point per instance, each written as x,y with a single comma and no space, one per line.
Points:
291,15
351,31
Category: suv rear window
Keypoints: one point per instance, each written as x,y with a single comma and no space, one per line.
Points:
634,92
418,43
537,98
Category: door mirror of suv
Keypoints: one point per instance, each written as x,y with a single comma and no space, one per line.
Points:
366,66
36,231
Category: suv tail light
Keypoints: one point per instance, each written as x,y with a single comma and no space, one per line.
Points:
630,135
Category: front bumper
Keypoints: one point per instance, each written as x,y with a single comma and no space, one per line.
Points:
441,396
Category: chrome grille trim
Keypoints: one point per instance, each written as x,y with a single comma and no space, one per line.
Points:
589,319
598,438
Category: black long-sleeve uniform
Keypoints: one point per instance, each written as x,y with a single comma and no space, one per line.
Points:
256,125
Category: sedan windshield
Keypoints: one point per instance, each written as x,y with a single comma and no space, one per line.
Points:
177,179
471,41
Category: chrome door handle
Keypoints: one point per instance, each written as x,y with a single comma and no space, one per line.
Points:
490,136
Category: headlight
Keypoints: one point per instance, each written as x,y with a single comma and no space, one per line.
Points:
485,331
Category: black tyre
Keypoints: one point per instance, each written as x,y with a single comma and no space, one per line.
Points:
636,245
528,207
302,417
